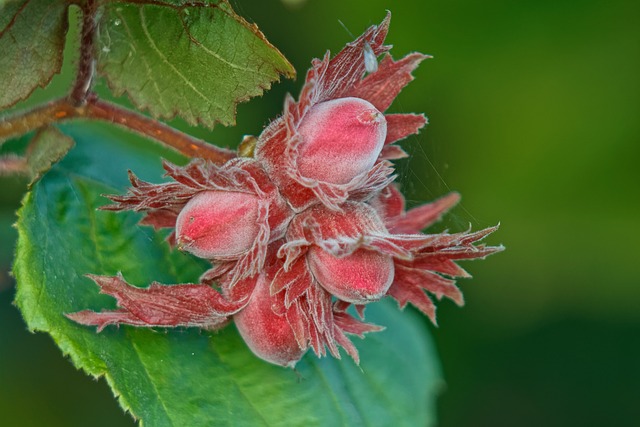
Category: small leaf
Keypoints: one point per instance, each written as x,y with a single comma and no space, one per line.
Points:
185,376
194,60
32,35
46,148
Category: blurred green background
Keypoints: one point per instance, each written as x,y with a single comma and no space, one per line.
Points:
535,118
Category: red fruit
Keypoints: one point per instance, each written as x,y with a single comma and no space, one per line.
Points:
359,278
267,334
341,139
218,224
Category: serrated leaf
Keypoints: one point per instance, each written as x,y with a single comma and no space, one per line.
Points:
32,35
47,147
194,60
186,377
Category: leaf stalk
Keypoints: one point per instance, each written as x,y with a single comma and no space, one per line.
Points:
64,109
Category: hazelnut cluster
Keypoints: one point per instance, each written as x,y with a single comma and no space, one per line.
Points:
306,227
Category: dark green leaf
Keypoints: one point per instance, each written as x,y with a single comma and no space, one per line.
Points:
194,60
46,148
186,377
32,35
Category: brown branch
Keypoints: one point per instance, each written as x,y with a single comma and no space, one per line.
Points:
173,138
65,109
86,62
35,118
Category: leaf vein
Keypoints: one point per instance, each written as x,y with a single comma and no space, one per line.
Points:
145,62
143,22
325,383
14,18
153,384
231,64
91,216
239,388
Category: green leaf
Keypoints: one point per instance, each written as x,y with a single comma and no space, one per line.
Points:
187,377
32,35
47,147
194,60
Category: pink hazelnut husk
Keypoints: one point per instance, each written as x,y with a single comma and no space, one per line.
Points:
218,224
341,139
267,334
359,278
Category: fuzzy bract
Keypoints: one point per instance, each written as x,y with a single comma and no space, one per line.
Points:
309,227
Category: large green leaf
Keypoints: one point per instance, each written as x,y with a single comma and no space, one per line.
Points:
32,35
187,377
195,60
